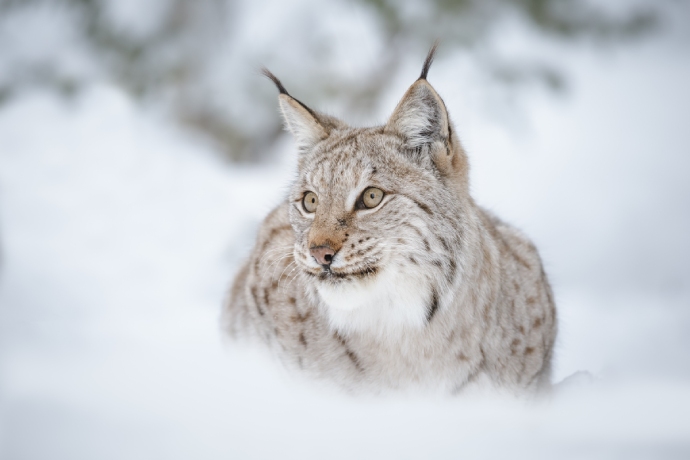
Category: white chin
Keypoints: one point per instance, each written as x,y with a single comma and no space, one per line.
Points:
391,301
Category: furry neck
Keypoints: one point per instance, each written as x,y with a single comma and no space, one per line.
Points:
394,301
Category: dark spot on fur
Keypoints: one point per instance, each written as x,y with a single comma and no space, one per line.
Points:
292,301
537,323
415,229
301,318
302,339
255,297
529,350
531,300
426,245
462,357
444,243
424,207
549,294
350,354
347,234
360,241
521,329
453,269
513,346
433,306
446,143
438,263
507,247
355,360
413,260
352,245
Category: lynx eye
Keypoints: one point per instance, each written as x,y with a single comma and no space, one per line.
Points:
372,197
310,201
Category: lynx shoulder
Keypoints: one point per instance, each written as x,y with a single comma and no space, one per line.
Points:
379,271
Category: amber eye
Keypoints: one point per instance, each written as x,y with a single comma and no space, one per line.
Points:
310,201
372,197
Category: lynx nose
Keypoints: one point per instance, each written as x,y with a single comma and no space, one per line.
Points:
323,255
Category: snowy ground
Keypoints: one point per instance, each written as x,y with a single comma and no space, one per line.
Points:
120,235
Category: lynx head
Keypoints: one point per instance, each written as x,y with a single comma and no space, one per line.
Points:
377,212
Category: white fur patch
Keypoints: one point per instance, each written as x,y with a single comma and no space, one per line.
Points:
387,304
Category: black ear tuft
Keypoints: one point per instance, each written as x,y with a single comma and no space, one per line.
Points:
268,74
427,62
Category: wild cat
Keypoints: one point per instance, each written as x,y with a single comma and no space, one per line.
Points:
379,271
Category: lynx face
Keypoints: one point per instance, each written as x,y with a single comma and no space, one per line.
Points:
351,204
358,211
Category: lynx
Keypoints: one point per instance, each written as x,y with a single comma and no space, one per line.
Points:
378,271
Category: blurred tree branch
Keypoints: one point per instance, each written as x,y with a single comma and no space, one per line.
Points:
175,61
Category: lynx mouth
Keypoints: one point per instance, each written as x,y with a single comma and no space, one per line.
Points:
326,274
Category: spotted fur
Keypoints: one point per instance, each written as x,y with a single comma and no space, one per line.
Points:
425,289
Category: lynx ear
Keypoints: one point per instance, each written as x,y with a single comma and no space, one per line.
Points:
301,122
308,126
421,115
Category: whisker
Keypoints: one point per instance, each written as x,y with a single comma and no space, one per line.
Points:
286,267
273,251
293,278
274,263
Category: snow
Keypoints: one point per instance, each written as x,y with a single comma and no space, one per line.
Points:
120,235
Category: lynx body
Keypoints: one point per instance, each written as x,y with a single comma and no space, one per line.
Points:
380,272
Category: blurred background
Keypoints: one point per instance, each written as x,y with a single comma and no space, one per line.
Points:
140,149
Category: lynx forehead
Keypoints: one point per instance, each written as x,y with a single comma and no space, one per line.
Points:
380,271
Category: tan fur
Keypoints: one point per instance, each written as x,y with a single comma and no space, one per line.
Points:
427,289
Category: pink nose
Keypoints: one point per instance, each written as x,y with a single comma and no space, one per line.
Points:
323,255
